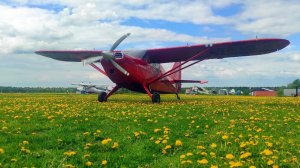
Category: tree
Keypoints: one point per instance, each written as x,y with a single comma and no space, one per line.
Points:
294,84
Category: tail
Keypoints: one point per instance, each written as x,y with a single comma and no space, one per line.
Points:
177,76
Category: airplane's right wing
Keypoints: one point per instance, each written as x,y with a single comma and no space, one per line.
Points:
72,56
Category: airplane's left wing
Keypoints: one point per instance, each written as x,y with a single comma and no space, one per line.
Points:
71,56
215,50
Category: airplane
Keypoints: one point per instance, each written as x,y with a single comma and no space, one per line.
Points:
141,70
87,88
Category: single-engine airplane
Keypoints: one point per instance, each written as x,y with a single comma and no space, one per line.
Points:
141,70
88,88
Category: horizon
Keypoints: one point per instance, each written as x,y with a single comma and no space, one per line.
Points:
27,26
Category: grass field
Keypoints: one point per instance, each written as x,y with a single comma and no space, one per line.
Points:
58,130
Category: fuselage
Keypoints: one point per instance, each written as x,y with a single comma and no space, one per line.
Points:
140,72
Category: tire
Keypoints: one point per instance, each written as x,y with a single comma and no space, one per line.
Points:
155,97
101,97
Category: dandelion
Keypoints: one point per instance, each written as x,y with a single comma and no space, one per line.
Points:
213,145
266,152
235,164
182,156
269,144
200,147
88,163
25,142
168,147
136,134
157,141
213,166
270,162
13,160
252,167
106,141
86,155
203,161
225,137
163,151
115,145
104,163
69,166
178,143
156,130
86,133
70,153
189,154
229,156
245,155
1,151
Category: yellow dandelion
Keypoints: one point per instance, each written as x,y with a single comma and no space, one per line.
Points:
203,161
269,144
157,141
267,152
168,147
200,147
88,163
189,154
163,151
213,145
178,143
229,156
1,151
69,166
156,130
270,162
86,133
106,141
25,142
104,162
70,153
86,155
115,145
235,164
252,167
213,166
225,137
275,166
182,156
136,134
245,155
152,138
13,160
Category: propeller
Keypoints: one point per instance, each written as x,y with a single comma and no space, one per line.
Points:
108,55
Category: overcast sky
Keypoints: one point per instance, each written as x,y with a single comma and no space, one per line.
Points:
26,26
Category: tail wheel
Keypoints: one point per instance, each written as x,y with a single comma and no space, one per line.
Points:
155,97
101,97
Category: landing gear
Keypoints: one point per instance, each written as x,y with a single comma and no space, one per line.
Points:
102,97
177,96
155,97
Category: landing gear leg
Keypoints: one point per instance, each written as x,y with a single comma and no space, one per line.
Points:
103,96
177,96
155,97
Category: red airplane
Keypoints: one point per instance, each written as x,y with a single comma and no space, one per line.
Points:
141,71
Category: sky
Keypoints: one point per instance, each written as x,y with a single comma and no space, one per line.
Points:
27,26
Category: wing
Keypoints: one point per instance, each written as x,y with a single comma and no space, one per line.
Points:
72,56
217,50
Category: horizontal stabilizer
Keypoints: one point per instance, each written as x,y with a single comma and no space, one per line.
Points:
185,81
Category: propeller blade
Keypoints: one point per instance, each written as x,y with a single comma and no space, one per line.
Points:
115,45
91,60
119,67
107,55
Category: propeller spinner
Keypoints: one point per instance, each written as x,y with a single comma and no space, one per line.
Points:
108,55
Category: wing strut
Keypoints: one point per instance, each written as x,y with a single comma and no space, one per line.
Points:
179,68
97,68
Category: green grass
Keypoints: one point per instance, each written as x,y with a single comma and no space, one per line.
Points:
38,130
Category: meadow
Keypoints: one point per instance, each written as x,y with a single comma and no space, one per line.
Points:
68,130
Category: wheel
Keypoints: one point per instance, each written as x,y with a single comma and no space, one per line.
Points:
101,97
155,97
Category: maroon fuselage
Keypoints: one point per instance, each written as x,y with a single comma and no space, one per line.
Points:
140,73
